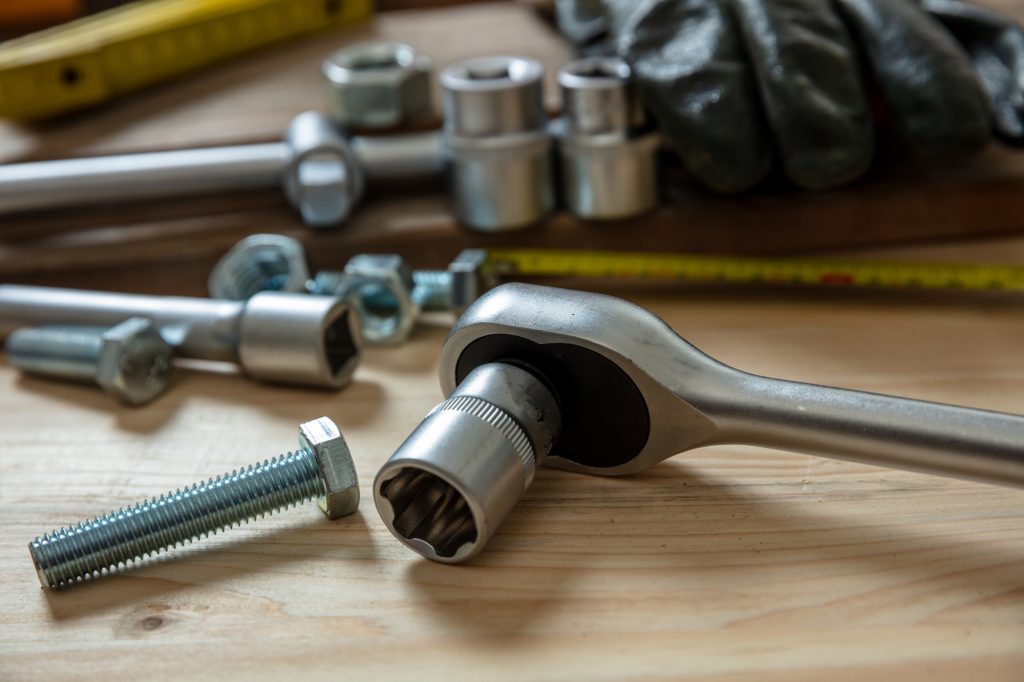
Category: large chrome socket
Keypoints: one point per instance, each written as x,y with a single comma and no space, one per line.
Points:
496,142
607,151
454,480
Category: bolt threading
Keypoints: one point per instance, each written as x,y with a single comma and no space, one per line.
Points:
432,290
109,542
68,352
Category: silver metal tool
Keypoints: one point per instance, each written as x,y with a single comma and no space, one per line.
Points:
496,142
130,361
597,385
322,174
321,468
377,85
274,336
607,146
259,262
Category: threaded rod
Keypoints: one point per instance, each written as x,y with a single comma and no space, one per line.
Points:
68,352
432,290
106,543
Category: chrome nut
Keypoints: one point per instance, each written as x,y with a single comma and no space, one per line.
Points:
341,485
134,361
324,180
379,287
377,85
260,262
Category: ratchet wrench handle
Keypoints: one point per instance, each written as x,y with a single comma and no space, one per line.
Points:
875,429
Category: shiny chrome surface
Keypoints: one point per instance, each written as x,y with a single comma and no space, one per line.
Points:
694,400
377,84
455,472
452,482
496,143
321,173
281,337
608,151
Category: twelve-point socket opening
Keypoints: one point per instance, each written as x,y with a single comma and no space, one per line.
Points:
428,509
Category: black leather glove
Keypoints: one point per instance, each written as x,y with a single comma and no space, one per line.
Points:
733,83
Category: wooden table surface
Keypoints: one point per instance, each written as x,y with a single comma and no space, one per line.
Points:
722,564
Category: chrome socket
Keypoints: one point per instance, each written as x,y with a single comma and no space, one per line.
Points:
496,142
454,480
608,154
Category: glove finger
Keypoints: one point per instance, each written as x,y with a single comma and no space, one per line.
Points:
690,72
582,22
996,46
930,86
810,83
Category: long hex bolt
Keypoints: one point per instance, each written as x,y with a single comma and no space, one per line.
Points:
130,361
321,468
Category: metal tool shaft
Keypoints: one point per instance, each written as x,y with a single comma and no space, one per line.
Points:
151,175
875,429
195,327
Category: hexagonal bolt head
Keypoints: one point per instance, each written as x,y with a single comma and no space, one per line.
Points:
260,262
341,486
379,287
377,85
134,362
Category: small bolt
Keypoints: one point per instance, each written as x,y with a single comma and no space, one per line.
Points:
448,290
130,361
321,468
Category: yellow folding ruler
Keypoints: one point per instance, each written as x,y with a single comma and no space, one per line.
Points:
92,59
850,273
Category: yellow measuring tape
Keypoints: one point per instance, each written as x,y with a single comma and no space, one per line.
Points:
848,273
92,59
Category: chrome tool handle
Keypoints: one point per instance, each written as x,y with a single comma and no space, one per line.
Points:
197,328
184,172
875,429
101,179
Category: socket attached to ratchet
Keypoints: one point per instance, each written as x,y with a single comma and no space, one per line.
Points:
594,384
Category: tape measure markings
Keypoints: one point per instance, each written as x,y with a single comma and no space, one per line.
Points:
97,57
883,274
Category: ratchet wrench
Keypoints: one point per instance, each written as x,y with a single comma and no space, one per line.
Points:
597,385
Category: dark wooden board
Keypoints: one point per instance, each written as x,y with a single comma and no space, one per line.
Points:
169,246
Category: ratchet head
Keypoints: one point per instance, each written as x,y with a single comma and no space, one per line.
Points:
618,372
533,376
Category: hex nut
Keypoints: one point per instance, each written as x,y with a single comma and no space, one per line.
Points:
377,85
379,287
260,262
134,362
341,486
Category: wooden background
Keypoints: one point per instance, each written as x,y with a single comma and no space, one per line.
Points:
723,564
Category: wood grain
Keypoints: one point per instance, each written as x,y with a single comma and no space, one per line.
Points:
724,564
727,563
